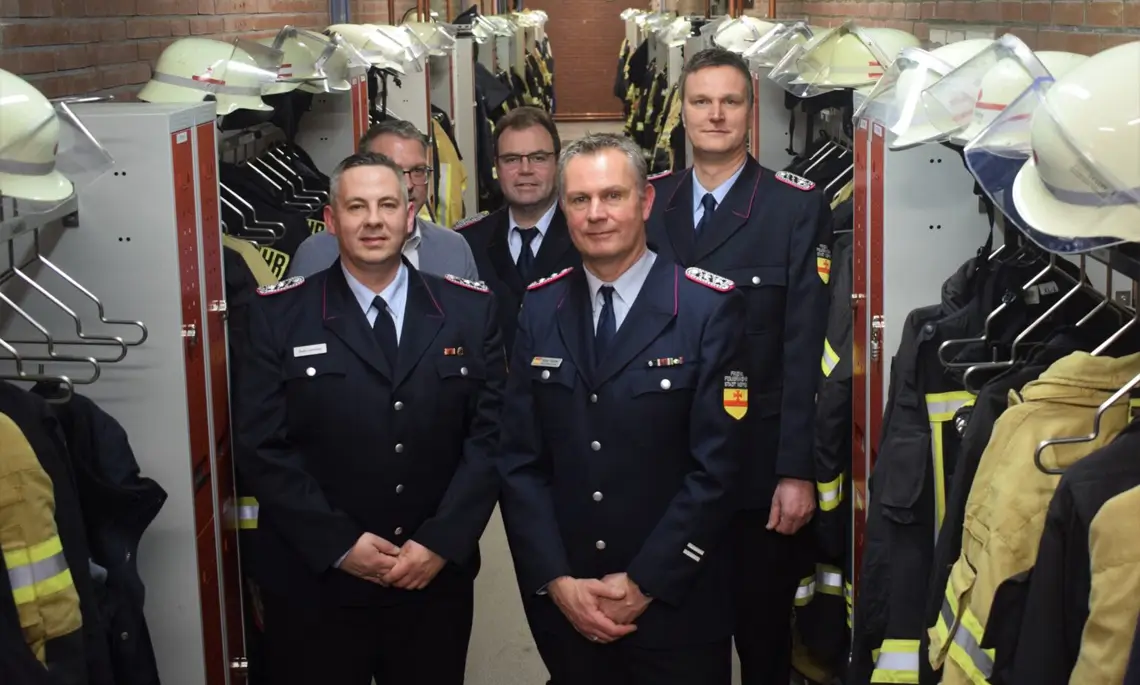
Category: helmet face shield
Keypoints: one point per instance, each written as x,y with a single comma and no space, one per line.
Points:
845,57
236,74
963,102
738,35
1062,169
770,48
377,49
895,100
47,155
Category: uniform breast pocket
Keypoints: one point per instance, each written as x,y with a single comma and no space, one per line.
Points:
314,375
553,379
459,380
764,289
660,383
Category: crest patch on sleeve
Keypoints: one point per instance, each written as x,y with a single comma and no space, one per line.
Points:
549,279
477,286
281,286
736,394
823,262
464,223
709,279
795,181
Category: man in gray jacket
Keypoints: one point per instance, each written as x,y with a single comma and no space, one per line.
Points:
431,248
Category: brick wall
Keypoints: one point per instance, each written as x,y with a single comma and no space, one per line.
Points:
74,47
1082,26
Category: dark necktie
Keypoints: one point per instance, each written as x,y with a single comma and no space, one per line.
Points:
607,324
525,264
709,203
384,330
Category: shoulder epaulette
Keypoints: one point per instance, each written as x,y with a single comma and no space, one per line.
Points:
794,180
549,279
477,286
474,219
281,286
709,279
659,176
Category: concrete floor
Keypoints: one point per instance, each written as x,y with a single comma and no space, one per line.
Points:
502,651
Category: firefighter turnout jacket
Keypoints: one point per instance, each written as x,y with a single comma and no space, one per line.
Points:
42,587
1004,521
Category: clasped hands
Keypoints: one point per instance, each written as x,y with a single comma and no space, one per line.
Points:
377,560
601,610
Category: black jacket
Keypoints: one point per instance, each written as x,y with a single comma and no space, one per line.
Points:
487,237
336,442
767,237
39,425
627,465
118,505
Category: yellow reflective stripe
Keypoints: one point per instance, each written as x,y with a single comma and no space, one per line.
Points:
830,358
941,407
965,649
37,571
806,591
849,595
829,579
830,494
443,202
247,513
896,662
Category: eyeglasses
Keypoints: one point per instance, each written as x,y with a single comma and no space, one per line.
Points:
419,174
535,159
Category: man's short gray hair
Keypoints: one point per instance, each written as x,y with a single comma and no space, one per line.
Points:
596,143
717,57
393,127
361,160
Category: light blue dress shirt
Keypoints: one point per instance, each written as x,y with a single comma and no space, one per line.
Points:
514,240
626,288
396,295
719,193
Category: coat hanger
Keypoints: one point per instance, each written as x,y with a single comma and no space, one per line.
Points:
1123,329
971,373
1100,412
956,343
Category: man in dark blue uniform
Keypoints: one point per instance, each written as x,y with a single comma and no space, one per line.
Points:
770,233
527,237
627,400
367,418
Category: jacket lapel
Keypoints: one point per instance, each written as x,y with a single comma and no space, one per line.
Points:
423,317
732,214
654,308
554,246
678,218
343,316
575,324
499,252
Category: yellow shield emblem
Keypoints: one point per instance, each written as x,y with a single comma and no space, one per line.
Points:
736,394
823,268
736,402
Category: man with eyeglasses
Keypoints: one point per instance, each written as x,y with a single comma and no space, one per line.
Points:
431,248
527,239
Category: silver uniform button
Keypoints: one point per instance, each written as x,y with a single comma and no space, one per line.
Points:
398,406
755,280
600,544
398,531
665,384
463,371
594,399
546,374
399,488
595,445
597,497
310,371
399,448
